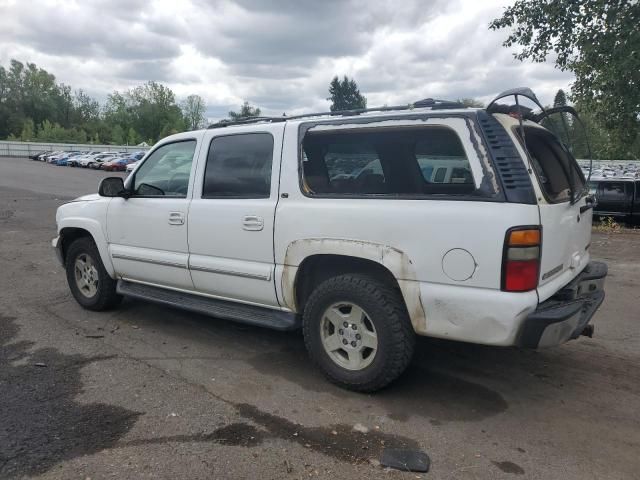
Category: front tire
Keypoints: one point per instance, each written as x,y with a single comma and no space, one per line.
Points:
88,280
357,330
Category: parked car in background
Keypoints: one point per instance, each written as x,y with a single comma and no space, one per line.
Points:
47,156
74,161
100,160
63,161
36,156
92,159
120,164
132,166
617,197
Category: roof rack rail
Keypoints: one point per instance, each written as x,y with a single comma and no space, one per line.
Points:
425,103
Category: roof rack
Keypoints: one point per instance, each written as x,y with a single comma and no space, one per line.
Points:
425,103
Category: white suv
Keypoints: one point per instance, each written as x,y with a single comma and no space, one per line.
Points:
364,228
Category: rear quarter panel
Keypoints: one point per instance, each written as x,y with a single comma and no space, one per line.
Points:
423,231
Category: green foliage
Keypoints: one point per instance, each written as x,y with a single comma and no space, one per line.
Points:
599,41
132,137
345,95
28,133
34,106
471,102
193,110
117,135
54,132
246,111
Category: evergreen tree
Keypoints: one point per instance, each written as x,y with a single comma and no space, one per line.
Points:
345,95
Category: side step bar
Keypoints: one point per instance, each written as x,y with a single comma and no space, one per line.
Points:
259,316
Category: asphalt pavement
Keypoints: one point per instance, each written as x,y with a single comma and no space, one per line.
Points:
150,392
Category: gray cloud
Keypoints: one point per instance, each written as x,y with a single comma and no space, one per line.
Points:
277,54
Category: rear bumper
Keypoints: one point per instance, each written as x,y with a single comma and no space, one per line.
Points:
565,315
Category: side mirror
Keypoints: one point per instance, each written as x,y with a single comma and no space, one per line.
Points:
111,187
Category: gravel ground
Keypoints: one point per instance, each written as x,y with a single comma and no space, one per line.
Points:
149,392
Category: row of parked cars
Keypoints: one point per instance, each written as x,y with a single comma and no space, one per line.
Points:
110,161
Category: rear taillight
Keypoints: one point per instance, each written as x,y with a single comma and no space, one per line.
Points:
521,259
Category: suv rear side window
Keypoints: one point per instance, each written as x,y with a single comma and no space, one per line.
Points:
386,162
239,166
555,167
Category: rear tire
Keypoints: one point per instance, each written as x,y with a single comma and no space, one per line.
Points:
357,330
88,280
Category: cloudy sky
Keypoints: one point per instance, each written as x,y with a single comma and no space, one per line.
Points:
278,54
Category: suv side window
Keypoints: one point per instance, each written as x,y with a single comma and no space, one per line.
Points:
391,162
239,166
613,191
165,173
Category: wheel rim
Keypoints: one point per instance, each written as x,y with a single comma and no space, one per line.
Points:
348,336
86,275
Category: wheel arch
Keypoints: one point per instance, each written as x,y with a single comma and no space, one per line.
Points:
70,231
311,261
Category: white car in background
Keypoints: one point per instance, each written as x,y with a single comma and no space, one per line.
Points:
89,159
75,162
131,166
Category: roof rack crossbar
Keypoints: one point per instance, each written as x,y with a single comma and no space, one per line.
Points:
427,102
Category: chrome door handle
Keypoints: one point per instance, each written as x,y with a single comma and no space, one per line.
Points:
252,223
176,218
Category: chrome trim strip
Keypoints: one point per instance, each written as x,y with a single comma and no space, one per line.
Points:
220,271
148,260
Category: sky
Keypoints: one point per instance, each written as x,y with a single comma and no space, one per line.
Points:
279,55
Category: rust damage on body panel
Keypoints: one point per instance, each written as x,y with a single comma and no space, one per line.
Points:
394,260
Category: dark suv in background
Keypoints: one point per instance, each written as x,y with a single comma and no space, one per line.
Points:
618,198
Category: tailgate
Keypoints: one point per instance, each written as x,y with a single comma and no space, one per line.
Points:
566,223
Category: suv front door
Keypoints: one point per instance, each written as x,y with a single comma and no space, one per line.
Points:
147,231
232,213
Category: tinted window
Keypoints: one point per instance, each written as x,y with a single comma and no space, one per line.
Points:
613,191
407,161
554,165
166,171
239,166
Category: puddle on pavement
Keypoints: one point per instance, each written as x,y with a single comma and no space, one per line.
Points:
341,442
42,424
439,396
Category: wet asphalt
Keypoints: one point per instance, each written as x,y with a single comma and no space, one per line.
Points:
149,392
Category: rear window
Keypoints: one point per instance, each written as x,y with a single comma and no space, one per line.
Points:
386,162
555,167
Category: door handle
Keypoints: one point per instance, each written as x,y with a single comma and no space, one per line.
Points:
252,223
176,218
590,202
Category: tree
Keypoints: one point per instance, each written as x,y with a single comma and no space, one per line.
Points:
132,137
117,135
471,102
28,133
193,109
597,40
246,111
345,95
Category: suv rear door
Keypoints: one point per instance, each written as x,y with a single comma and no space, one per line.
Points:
232,213
565,208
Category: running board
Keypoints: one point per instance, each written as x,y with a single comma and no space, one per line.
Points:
239,312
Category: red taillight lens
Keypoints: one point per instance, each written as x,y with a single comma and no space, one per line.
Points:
520,276
521,261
